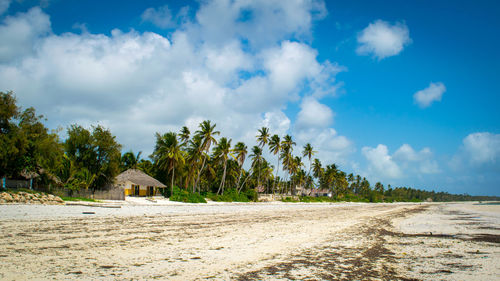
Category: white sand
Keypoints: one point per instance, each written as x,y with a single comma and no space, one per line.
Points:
212,241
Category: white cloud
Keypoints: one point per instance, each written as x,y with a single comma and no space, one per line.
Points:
141,83
482,148
261,22
381,39
277,122
19,33
380,163
161,16
331,147
313,114
424,98
416,162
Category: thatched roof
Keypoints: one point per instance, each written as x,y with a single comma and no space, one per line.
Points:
138,177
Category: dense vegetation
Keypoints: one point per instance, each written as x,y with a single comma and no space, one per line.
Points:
194,165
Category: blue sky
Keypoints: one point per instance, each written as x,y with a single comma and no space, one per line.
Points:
403,92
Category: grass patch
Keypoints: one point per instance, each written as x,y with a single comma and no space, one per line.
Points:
67,198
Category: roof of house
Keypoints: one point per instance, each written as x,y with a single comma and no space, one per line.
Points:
138,177
320,190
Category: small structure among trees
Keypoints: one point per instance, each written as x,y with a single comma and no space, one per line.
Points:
137,183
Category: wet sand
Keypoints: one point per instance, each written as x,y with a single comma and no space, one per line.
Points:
263,241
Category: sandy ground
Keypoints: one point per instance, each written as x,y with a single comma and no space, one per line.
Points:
264,241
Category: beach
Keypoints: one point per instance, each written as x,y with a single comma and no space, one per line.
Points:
252,241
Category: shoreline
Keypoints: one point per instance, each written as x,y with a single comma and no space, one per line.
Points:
256,241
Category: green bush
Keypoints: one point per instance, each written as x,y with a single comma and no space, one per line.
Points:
181,195
232,195
289,199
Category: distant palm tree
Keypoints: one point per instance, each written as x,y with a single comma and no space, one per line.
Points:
263,138
286,154
275,148
193,155
221,154
308,152
206,133
130,160
256,157
241,152
168,154
184,135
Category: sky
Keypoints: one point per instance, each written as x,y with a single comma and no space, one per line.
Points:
402,92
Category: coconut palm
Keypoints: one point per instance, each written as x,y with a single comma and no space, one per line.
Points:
221,154
256,157
241,153
168,154
275,148
194,153
263,139
130,160
206,133
308,152
184,135
286,154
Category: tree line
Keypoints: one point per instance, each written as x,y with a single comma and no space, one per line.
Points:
196,162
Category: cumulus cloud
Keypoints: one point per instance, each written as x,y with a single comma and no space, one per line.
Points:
380,162
162,16
405,162
141,83
313,114
482,148
424,98
381,39
19,33
261,22
419,162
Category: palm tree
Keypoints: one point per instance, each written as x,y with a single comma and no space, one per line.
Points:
256,156
275,148
184,135
207,133
241,153
295,168
130,160
286,154
263,139
308,152
222,151
317,169
168,153
193,152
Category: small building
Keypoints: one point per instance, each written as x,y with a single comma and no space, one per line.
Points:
321,193
137,183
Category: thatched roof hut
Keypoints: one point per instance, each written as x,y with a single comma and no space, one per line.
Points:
136,182
139,177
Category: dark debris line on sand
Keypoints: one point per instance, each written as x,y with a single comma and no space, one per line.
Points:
365,260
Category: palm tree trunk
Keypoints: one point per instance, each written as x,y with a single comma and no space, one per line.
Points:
274,183
172,182
199,174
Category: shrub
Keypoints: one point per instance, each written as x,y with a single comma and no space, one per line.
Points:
232,195
289,199
181,195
